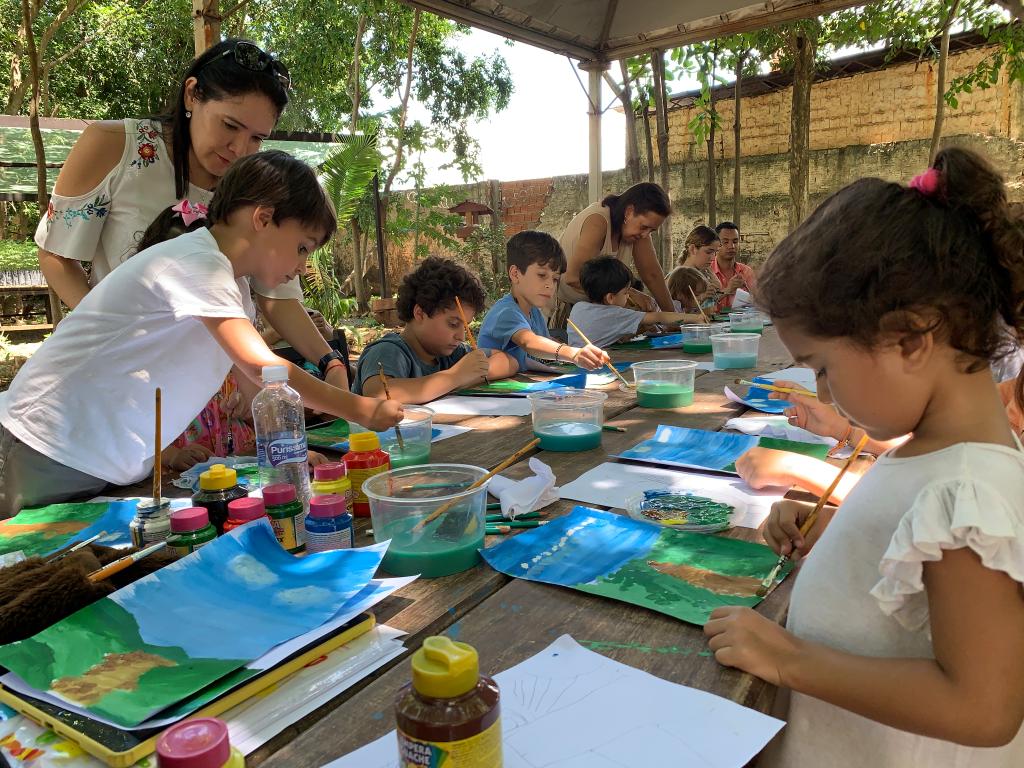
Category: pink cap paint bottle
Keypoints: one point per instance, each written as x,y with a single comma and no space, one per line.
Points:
199,743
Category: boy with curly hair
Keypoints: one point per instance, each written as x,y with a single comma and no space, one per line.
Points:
430,358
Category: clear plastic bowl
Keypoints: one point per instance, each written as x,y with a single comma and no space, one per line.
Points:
697,338
746,322
664,383
401,498
735,350
417,431
568,419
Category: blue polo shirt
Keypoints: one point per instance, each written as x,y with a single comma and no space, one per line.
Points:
505,319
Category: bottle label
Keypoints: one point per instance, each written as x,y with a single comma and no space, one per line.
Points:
287,531
480,751
360,476
325,542
281,448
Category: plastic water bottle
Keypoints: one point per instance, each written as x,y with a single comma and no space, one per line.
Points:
281,434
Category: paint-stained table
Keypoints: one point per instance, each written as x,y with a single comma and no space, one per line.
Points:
509,620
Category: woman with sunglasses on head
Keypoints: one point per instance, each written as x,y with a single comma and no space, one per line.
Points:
121,174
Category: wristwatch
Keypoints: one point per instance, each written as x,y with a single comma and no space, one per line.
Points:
326,361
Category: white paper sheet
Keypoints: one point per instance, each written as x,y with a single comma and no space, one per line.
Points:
775,426
444,431
573,708
612,484
803,376
467,405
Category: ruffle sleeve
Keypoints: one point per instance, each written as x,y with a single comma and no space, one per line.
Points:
948,515
72,226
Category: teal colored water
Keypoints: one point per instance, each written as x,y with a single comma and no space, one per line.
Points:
569,436
735,360
413,454
696,348
426,553
747,330
663,395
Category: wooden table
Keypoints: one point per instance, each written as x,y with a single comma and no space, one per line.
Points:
509,620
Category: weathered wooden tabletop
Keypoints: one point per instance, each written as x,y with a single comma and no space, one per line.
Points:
509,620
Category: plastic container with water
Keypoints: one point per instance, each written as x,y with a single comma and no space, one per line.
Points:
735,350
697,338
402,498
664,383
746,322
568,419
417,431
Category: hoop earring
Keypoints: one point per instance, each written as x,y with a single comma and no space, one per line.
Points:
188,114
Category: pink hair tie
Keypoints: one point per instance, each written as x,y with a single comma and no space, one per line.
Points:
927,183
189,211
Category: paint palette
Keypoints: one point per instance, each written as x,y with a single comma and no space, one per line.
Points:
683,510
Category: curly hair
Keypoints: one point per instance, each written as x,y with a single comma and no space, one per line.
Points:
434,284
878,258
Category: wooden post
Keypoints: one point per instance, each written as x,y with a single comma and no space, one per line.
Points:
205,24
495,205
803,49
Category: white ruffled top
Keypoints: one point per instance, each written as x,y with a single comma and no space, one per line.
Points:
861,591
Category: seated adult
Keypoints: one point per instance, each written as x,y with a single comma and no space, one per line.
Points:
730,273
619,226
700,248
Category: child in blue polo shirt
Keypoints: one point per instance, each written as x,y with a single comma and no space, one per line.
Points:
515,325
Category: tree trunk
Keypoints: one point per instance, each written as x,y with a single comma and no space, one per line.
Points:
736,103
18,83
358,273
661,108
800,125
205,24
33,107
940,83
650,143
632,149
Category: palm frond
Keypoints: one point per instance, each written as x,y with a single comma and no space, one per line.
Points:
348,171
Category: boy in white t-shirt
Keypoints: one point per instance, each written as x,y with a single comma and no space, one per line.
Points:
605,318
79,414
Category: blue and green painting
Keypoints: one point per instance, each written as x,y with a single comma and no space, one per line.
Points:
703,449
40,531
685,575
516,388
156,642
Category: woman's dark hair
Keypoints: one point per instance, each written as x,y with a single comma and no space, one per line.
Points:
604,275
274,179
644,197
879,258
434,284
701,236
218,76
168,224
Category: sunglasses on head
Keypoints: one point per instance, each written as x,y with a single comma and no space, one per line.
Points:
255,59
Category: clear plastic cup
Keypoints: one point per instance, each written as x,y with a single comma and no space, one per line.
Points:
697,338
417,428
568,419
664,383
735,350
746,322
402,498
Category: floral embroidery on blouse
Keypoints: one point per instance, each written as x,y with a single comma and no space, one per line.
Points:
98,208
146,146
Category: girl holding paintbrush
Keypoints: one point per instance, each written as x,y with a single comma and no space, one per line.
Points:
905,638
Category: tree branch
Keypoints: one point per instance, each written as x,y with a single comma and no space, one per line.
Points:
234,9
68,11
48,65
404,113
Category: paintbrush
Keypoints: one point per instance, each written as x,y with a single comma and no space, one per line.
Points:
74,548
157,462
499,518
469,333
503,466
773,388
697,304
812,518
387,394
119,565
610,363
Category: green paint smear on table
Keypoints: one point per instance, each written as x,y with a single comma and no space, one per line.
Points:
43,530
814,450
328,435
641,583
93,636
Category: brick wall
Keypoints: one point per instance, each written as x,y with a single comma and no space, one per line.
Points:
888,105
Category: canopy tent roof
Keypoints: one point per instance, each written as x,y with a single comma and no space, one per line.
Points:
606,30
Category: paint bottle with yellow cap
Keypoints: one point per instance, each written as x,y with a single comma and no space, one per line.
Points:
449,715
218,486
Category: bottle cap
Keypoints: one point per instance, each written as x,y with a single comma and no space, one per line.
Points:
279,493
363,441
249,508
444,669
218,478
332,470
272,373
330,505
189,519
199,743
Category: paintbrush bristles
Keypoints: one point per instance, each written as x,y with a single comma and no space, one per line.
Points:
387,395
610,363
697,304
157,458
813,517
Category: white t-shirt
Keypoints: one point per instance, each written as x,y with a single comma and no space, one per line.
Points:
104,225
85,398
860,590
603,324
